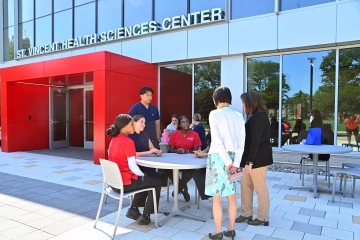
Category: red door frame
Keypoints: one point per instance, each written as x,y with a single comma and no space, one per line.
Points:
117,80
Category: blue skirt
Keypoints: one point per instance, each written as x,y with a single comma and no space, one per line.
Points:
217,181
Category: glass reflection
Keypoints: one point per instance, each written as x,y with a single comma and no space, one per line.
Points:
43,7
63,25
80,2
43,28
349,92
206,80
85,20
165,8
247,8
109,15
175,83
8,13
199,5
309,78
137,12
263,77
9,43
60,5
286,5
26,35
26,9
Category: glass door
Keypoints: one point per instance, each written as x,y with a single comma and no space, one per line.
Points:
89,118
59,118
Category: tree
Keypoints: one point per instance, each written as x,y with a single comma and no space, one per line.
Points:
349,82
263,77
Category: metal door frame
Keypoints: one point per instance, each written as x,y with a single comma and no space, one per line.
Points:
87,144
64,143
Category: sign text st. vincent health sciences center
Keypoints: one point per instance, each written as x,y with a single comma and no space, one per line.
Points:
190,19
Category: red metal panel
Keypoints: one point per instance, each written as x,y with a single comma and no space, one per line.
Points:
147,70
27,136
7,142
26,71
7,111
124,65
102,89
101,142
175,86
77,64
76,117
28,98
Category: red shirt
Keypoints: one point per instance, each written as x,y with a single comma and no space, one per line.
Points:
188,142
121,147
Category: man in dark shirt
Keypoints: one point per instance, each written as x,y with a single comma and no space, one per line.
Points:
151,114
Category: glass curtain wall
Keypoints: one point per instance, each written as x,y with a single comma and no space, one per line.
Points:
109,15
286,4
248,8
309,90
206,80
263,77
349,95
8,41
26,24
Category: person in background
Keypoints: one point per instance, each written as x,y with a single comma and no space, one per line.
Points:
257,156
172,127
316,120
199,128
287,126
351,123
150,113
200,174
143,145
227,146
300,130
183,141
122,152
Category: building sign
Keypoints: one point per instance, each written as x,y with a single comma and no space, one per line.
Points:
191,19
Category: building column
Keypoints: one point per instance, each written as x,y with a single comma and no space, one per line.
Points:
233,77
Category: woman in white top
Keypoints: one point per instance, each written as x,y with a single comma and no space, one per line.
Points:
227,146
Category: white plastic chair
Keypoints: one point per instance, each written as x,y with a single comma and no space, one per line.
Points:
347,165
112,177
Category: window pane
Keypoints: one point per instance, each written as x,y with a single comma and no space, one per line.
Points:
263,77
26,35
349,92
43,8
286,4
308,84
80,2
165,9
63,25
26,9
247,8
199,5
206,80
43,31
137,12
60,5
109,15
8,13
85,20
9,43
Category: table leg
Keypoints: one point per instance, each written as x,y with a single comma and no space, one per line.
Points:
175,209
315,174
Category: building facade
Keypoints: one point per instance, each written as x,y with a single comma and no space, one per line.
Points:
300,55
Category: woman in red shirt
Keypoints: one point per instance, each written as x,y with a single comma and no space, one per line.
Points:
122,151
182,141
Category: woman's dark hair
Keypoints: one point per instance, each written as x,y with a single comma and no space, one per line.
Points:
318,119
181,118
253,103
208,138
197,117
175,116
121,121
146,89
222,95
137,117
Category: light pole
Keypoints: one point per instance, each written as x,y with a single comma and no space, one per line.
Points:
312,59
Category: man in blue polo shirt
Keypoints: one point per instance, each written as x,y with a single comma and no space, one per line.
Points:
151,114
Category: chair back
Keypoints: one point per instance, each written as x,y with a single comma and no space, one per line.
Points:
111,173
